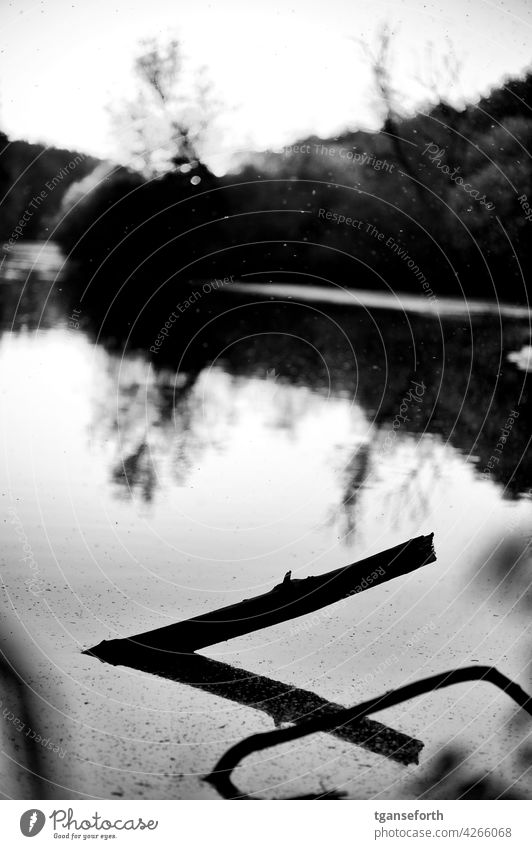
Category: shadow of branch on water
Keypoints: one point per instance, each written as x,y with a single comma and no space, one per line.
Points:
282,702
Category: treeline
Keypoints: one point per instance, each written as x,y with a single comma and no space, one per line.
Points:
33,182
448,190
437,204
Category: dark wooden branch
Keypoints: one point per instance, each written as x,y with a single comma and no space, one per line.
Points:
287,600
221,775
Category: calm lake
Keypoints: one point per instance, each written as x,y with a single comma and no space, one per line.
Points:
142,488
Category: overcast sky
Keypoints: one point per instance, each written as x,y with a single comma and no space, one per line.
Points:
286,67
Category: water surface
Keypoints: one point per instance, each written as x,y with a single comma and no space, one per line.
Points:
140,490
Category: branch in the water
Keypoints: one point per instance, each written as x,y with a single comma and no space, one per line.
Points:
288,600
221,775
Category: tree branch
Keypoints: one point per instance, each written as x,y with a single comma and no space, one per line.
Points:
287,600
221,775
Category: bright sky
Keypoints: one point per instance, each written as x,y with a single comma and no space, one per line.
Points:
286,67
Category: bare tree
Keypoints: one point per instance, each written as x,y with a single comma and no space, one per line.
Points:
380,60
167,122
440,76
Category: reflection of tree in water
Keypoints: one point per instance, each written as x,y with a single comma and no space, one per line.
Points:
471,386
354,474
419,464
403,482
137,472
471,389
141,414
157,424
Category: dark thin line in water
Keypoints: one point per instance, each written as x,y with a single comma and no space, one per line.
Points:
220,777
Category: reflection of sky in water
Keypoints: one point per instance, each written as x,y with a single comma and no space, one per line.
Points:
147,499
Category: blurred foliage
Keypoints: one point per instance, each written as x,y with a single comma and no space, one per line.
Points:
165,124
25,169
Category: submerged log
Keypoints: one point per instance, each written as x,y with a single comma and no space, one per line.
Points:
287,600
